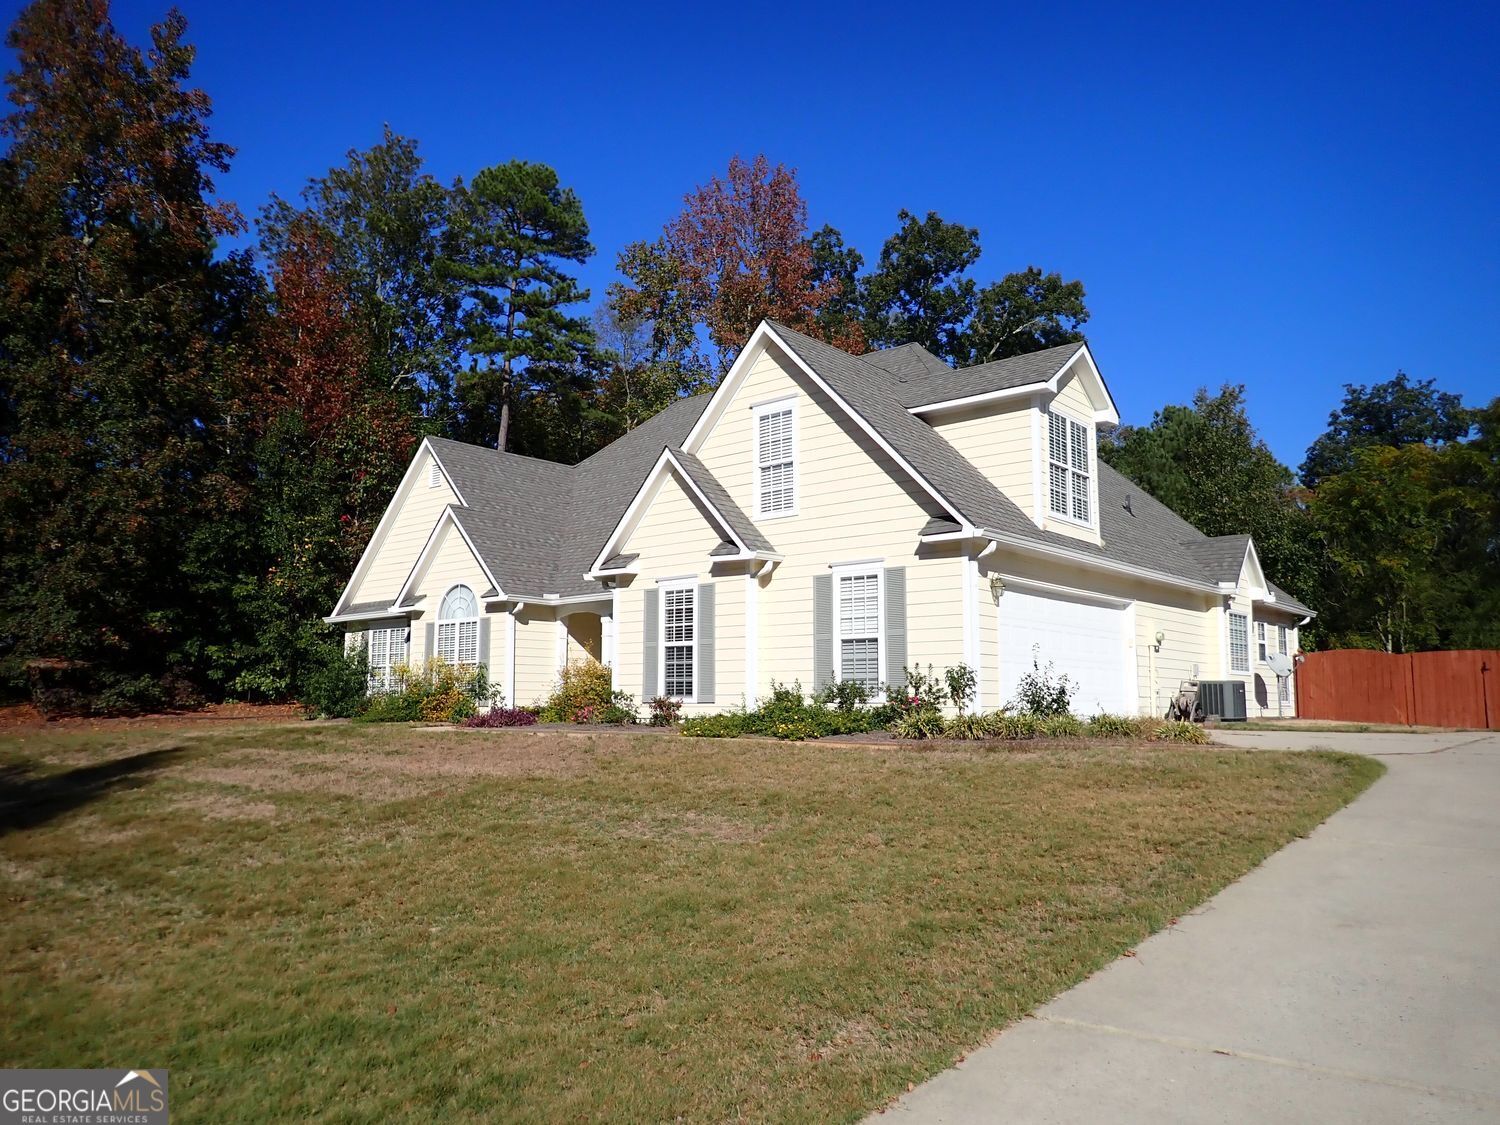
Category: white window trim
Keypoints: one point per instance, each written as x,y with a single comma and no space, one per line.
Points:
455,622
854,570
381,677
757,411
1262,643
1045,491
1229,617
661,635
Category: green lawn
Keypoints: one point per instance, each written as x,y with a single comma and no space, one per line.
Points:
356,922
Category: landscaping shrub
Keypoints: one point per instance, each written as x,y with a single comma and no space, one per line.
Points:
921,691
731,724
968,727
1039,693
962,683
919,723
1117,726
1061,726
501,717
585,694
437,693
664,711
843,695
1179,732
338,687
1015,728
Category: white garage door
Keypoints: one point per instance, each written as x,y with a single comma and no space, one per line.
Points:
1086,641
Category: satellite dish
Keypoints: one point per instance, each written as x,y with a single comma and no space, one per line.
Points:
1280,663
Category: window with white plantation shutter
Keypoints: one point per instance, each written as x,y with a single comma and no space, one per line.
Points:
859,628
775,460
1239,643
1068,461
679,638
458,627
386,653
1260,641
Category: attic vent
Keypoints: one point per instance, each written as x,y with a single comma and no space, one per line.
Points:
434,474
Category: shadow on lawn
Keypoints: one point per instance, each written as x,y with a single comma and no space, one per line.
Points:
29,799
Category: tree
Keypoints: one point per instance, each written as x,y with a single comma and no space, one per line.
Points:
736,255
386,220
917,293
1206,462
1394,413
1023,312
513,227
115,320
835,270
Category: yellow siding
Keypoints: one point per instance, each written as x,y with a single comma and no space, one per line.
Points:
854,504
1074,399
536,654
1260,694
997,440
673,539
416,515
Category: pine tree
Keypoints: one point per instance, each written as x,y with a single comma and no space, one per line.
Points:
512,229
113,314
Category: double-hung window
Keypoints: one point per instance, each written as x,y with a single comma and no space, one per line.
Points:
1239,643
1260,641
776,459
386,652
679,640
458,627
1285,686
1068,467
1281,639
858,602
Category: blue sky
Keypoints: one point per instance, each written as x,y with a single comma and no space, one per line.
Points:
1287,197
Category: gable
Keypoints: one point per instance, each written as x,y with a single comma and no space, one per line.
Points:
673,531
448,562
838,465
401,534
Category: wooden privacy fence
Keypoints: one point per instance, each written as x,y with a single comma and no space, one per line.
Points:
1430,689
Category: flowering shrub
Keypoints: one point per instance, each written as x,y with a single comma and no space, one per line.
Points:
502,717
585,694
437,692
664,711
1039,693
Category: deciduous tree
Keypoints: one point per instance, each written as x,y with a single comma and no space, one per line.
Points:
1397,412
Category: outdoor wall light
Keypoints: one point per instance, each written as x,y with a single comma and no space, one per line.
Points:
997,586
1160,636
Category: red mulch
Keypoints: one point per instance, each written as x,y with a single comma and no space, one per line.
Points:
23,716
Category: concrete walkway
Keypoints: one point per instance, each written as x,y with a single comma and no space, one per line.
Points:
1352,977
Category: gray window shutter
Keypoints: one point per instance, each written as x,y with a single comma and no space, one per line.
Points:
484,642
703,688
895,624
649,629
431,641
822,631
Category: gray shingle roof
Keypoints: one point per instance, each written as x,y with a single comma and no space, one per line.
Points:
723,503
1000,375
1136,528
540,525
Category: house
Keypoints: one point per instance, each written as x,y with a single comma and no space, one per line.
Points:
823,516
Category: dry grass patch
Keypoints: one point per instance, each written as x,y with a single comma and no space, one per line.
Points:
391,923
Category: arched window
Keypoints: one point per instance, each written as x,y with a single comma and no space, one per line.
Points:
458,627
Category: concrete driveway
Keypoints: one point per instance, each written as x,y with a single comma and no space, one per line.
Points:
1354,976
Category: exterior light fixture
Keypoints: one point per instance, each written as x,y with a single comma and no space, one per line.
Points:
1160,636
997,586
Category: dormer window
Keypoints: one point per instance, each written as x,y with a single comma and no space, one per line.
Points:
776,459
1068,461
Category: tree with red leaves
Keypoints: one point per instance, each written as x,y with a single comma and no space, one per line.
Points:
736,255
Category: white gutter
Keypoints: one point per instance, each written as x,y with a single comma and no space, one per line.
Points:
1096,563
